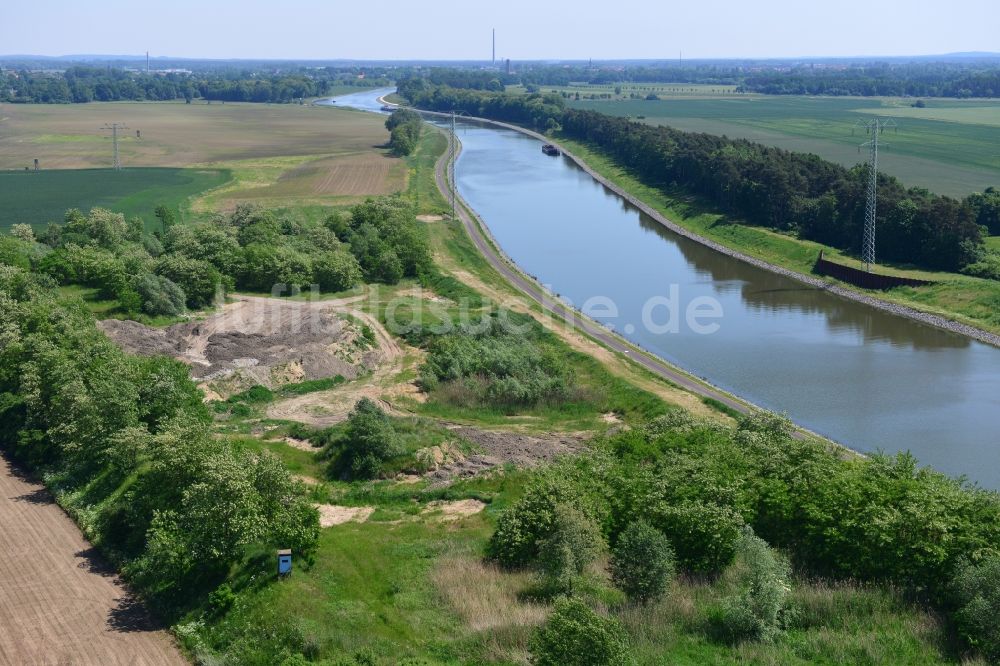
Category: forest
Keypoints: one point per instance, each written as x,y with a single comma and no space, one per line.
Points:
80,84
177,267
756,184
974,78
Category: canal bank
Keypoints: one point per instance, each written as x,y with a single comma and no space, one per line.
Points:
856,374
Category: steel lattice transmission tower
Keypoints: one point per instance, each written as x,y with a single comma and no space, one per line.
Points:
874,128
114,127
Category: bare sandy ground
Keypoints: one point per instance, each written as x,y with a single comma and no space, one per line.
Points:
267,341
59,602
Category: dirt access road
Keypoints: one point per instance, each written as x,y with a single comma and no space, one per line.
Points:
60,604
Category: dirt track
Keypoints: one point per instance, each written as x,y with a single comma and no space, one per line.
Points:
59,602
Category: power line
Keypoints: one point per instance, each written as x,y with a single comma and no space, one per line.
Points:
114,127
874,128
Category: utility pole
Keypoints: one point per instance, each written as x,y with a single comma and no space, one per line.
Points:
114,127
874,128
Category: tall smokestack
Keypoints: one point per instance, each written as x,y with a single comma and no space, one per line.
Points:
494,46
147,62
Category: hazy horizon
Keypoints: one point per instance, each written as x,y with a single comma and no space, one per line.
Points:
381,30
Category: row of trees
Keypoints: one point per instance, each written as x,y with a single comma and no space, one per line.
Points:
173,506
180,266
719,495
536,110
751,182
404,127
913,80
789,191
89,84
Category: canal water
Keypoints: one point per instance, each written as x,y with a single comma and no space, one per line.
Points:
865,378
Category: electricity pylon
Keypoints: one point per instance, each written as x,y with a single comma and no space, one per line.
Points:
114,127
874,128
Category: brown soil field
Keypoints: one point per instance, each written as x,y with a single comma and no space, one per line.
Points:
59,602
67,136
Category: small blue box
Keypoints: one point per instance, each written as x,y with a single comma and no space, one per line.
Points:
284,562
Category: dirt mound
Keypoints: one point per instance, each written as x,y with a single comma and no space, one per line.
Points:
501,448
260,341
331,514
454,510
388,382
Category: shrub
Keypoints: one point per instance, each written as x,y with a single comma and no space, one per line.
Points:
369,441
198,279
976,591
501,368
221,599
577,636
15,252
522,527
336,271
704,535
642,562
758,611
159,295
266,264
255,394
573,542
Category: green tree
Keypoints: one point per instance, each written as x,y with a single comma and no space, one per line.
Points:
705,535
574,635
23,232
368,442
642,562
763,577
166,218
159,295
976,594
573,542
336,271
199,280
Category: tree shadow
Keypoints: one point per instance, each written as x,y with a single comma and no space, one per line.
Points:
36,496
94,563
130,615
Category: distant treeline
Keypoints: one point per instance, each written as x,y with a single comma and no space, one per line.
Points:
538,111
753,183
912,79
97,84
926,80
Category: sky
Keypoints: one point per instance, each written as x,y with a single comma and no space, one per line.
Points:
526,29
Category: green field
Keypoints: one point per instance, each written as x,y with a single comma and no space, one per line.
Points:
37,198
951,146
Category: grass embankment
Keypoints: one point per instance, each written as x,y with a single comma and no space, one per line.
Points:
969,300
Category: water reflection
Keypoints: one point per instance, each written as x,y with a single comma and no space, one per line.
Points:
861,376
